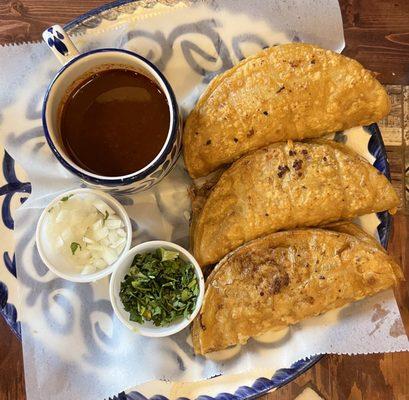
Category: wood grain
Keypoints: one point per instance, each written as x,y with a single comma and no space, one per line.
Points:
11,365
377,35
24,21
364,377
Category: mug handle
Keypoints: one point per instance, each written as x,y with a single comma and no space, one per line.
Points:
60,44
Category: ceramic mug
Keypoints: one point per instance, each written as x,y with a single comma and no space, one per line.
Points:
76,68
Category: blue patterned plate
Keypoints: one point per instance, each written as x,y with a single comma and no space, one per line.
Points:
14,190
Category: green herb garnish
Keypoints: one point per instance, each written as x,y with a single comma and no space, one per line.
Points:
159,287
104,216
65,198
74,247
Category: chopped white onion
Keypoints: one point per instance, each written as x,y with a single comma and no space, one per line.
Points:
88,269
99,263
113,236
59,242
120,248
103,207
96,248
117,243
96,226
109,255
99,234
105,241
113,223
121,232
88,231
63,215
67,234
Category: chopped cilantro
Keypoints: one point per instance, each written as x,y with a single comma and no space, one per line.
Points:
74,247
159,287
65,198
106,215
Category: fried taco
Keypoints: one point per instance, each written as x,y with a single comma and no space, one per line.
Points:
291,91
285,186
285,277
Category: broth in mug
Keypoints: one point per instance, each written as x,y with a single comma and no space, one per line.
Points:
115,122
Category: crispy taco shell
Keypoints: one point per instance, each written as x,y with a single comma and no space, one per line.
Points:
292,91
285,186
284,277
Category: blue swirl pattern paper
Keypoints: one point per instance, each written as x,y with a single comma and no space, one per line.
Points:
73,345
13,192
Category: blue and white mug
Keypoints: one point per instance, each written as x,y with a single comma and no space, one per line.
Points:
77,67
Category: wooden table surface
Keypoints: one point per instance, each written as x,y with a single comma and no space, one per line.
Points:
377,34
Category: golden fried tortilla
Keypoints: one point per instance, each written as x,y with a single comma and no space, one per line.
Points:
291,91
284,186
353,230
284,277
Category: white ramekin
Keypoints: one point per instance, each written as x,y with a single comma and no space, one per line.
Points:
147,328
60,266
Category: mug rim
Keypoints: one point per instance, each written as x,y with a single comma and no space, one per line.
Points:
139,174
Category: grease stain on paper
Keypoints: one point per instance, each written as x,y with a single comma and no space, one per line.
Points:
378,316
397,329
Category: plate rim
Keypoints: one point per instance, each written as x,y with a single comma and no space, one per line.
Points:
97,11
